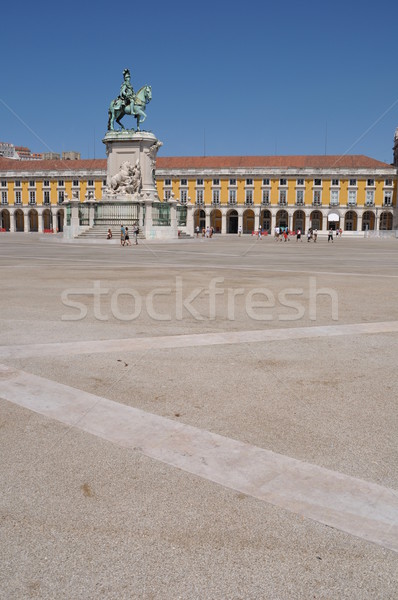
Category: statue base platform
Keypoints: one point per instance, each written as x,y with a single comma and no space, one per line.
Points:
126,151
133,147
131,196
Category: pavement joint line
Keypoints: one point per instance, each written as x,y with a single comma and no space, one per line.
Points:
73,263
364,509
140,344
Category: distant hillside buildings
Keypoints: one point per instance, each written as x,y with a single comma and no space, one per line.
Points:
8,150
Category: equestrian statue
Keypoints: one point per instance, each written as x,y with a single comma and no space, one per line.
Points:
129,103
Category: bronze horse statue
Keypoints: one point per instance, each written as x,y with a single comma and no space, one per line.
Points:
136,107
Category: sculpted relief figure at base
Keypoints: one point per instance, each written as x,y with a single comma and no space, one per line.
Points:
129,103
128,180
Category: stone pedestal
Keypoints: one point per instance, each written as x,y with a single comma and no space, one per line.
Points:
134,147
130,197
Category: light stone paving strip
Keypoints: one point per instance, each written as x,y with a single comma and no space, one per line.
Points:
141,344
361,508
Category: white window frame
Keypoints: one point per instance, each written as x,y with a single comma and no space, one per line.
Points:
17,183
61,196
75,183
232,196
335,183
317,197
184,195
3,183
4,197
266,197
216,197
46,197
370,198
387,198
32,197
18,197
249,197
352,198
282,200
334,194
300,202
300,182
200,196
167,194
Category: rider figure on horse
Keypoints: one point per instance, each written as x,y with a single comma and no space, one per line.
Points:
126,95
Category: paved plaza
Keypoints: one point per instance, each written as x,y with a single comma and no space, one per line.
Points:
210,419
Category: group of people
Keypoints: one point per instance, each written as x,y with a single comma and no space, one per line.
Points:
312,234
282,233
206,231
125,235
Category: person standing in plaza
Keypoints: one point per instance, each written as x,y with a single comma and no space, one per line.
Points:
197,231
330,235
136,232
127,237
298,235
240,230
315,235
122,235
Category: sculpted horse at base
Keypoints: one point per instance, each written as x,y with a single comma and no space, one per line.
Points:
136,108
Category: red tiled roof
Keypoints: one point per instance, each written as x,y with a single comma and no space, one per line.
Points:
206,162
9,164
299,162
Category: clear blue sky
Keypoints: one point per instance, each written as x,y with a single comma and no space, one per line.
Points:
228,78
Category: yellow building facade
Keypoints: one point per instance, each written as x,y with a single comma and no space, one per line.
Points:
354,193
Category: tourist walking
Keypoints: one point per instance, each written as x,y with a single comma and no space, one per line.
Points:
136,232
240,230
122,235
109,234
315,235
330,235
298,235
197,231
127,237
